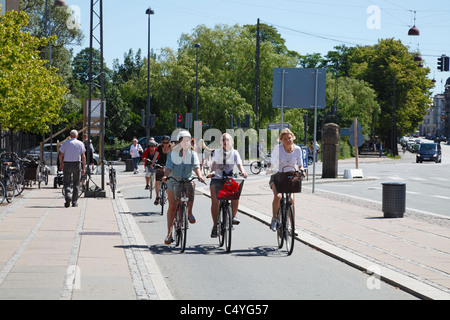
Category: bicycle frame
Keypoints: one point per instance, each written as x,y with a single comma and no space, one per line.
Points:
286,224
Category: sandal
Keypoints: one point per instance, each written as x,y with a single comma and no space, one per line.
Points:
156,201
192,219
168,240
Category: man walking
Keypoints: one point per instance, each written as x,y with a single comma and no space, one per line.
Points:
73,153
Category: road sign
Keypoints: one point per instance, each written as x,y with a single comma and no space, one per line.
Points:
277,126
359,135
296,88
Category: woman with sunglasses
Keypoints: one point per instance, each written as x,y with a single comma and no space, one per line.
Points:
182,161
160,158
223,161
149,154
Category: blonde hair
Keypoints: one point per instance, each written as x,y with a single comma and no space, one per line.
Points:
286,131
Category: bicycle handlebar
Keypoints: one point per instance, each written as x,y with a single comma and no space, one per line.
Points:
184,180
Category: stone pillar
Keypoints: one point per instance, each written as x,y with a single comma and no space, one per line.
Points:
330,150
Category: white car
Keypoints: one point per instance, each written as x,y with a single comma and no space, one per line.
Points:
36,152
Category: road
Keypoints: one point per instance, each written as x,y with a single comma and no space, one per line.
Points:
255,269
427,183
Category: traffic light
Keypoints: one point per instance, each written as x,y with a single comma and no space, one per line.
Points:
179,120
445,62
443,118
440,65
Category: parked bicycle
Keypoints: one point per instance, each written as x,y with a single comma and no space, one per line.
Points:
112,178
184,191
257,166
231,190
9,184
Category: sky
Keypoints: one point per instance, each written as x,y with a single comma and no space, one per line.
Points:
307,26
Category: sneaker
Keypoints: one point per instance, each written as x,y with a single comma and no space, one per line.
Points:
67,203
273,226
214,232
236,220
147,187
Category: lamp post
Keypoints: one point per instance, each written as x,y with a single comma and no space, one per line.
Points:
197,45
48,55
149,12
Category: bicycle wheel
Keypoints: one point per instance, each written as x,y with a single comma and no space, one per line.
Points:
289,230
162,196
221,224
20,183
280,227
151,183
184,227
2,192
112,184
10,190
255,167
228,226
177,226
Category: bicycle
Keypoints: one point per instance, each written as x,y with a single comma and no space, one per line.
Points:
162,191
225,217
9,183
112,178
286,222
182,197
256,166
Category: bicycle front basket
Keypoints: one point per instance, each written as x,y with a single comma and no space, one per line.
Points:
231,189
288,182
190,190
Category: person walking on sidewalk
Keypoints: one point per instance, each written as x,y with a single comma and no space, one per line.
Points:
71,156
286,155
223,161
135,150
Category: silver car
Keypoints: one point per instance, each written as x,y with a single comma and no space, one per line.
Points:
48,150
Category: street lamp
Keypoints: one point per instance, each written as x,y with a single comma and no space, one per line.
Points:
414,31
197,45
149,12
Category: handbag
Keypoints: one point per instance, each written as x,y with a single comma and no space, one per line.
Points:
231,190
288,182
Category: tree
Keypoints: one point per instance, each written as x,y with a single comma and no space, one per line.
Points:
31,94
384,65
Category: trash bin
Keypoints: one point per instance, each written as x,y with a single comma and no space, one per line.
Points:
129,166
394,199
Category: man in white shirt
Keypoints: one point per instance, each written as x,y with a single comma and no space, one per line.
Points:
73,153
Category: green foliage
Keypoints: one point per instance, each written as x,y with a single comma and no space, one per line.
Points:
31,94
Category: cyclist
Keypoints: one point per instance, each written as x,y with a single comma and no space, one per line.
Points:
223,161
148,154
160,158
284,154
181,161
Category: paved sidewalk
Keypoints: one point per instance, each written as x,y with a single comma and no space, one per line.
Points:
96,251
87,252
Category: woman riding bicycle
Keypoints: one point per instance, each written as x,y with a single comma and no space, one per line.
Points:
286,155
160,158
148,154
181,161
223,161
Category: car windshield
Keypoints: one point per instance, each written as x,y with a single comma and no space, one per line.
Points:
428,146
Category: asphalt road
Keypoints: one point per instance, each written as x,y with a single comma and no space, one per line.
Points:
255,269
427,183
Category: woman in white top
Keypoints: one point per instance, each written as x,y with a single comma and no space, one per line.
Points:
135,155
224,160
285,157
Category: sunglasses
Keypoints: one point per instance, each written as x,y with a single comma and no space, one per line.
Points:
166,142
